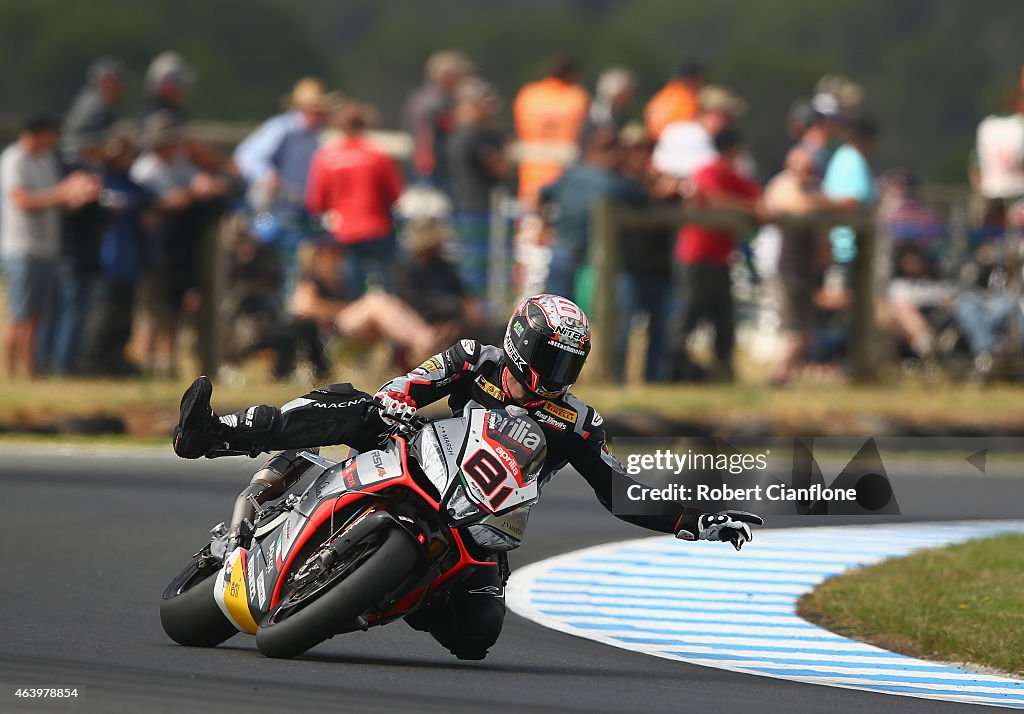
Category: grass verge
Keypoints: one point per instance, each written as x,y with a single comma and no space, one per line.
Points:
962,603
150,406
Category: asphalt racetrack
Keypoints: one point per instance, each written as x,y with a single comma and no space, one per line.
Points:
88,541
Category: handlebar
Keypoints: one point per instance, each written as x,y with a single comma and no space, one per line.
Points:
411,420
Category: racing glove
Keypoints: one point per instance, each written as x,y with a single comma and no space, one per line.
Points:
731,526
395,406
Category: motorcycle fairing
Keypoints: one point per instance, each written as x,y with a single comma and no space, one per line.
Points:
232,594
329,494
358,473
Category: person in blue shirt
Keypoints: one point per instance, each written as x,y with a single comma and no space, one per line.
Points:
274,160
569,201
849,176
131,217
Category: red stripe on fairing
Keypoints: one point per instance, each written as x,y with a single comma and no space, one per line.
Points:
316,519
328,507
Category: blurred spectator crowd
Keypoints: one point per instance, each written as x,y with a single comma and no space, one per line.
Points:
111,225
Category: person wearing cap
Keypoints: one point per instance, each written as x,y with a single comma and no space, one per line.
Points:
353,184
94,108
33,195
185,196
703,287
550,111
685,146
429,115
274,160
613,97
167,81
676,101
477,165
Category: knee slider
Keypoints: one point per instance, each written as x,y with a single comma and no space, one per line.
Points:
480,627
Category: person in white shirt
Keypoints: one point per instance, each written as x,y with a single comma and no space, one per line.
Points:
33,196
1000,156
685,146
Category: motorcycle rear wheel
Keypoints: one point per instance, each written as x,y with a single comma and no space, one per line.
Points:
189,613
376,577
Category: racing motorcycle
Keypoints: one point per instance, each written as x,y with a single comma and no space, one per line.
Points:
369,540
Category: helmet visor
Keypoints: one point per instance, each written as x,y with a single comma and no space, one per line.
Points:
556,366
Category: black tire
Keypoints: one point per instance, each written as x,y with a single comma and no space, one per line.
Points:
376,577
189,613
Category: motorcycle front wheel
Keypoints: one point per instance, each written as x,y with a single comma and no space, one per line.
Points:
308,616
189,613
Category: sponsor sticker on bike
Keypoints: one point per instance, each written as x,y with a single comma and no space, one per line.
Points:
261,592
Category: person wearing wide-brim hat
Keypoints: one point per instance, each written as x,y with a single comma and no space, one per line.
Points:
311,95
274,160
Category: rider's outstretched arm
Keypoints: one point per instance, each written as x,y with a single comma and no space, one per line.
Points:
590,456
605,474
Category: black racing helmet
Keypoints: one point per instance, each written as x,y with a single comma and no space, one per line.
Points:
546,344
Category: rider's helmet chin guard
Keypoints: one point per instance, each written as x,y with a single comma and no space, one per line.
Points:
546,344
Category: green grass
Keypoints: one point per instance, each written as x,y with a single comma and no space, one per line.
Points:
962,603
150,406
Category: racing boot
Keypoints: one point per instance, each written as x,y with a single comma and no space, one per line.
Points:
198,430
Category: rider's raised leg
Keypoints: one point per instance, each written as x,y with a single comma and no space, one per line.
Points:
335,414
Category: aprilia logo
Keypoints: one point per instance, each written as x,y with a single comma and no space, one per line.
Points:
516,430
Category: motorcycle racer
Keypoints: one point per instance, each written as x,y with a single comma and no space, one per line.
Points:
545,347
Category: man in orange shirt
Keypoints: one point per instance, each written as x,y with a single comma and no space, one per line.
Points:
549,111
676,101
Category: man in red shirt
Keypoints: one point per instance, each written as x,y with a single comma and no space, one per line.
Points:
703,288
355,185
